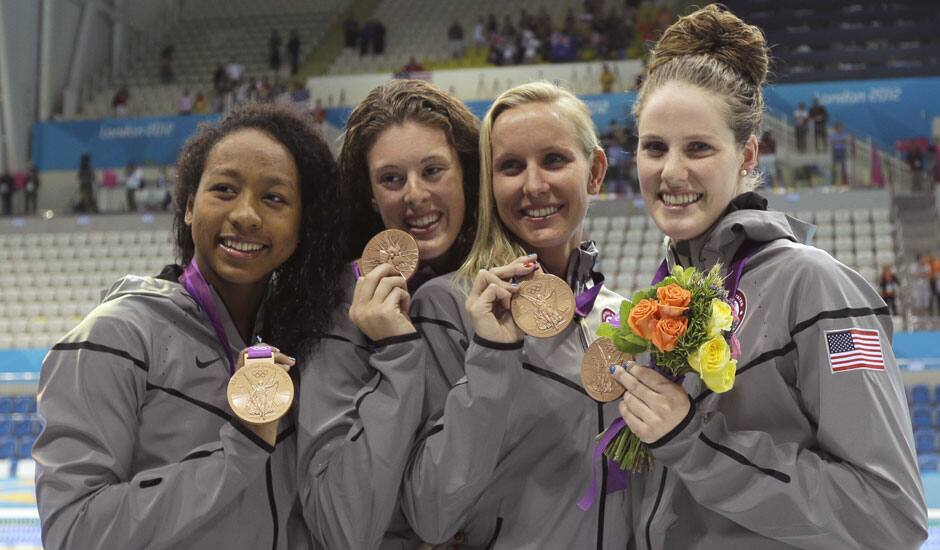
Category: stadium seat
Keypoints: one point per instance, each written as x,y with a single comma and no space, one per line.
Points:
920,394
7,447
927,462
921,417
24,446
925,441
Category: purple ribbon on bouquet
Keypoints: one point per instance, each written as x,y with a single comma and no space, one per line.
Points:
617,478
197,287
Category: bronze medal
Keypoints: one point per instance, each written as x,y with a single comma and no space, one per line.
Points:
392,246
260,392
595,370
543,307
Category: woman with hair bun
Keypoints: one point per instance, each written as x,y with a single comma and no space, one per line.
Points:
812,447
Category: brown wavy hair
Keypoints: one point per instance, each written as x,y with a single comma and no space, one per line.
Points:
714,49
392,104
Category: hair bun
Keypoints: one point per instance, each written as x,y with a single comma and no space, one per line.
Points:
715,32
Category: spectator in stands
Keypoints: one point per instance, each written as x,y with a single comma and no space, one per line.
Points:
915,161
274,51
492,27
200,105
318,113
889,288
935,283
734,470
167,75
350,32
840,153
529,46
767,158
921,292
6,193
378,38
479,33
293,51
133,182
86,186
185,102
607,79
32,189
413,66
220,80
120,99
261,176
801,126
819,115
455,38
234,71
109,197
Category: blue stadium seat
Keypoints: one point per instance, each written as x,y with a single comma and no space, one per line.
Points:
6,426
920,394
925,441
936,393
928,462
24,447
6,404
23,426
24,404
921,417
7,447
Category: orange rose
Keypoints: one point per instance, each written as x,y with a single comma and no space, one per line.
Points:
643,318
673,300
668,331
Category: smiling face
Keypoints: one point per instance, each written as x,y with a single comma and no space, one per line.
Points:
417,184
542,178
688,163
245,214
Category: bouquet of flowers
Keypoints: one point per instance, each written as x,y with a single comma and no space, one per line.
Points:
685,322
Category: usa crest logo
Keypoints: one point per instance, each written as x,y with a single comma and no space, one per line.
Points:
738,310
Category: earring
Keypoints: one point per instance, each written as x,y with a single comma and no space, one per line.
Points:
744,171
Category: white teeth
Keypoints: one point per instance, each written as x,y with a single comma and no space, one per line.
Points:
680,200
242,246
542,212
425,221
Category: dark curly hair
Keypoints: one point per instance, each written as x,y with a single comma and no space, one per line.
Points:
392,104
306,288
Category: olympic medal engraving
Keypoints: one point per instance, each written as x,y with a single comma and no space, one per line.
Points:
543,306
391,246
595,370
260,392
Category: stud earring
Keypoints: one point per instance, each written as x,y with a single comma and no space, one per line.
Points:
744,171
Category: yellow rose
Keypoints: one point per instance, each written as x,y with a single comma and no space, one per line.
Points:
720,319
712,360
722,380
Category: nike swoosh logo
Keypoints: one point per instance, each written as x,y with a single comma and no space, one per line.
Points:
204,364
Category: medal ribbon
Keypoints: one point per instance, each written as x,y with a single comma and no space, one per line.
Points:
617,478
196,285
584,302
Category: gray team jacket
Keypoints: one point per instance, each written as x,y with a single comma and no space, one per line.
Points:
140,449
359,406
796,455
507,450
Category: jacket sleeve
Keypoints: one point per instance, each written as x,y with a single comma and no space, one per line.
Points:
458,452
858,486
92,387
358,413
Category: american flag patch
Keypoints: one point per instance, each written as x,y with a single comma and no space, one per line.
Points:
854,348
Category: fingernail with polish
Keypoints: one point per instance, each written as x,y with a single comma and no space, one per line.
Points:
613,369
533,255
292,360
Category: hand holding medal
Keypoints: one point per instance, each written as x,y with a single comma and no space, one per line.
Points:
381,300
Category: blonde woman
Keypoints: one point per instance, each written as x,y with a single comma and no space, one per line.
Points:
506,451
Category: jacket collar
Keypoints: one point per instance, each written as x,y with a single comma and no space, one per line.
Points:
581,264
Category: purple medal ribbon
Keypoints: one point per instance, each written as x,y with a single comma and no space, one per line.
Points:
194,283
617,478
584,302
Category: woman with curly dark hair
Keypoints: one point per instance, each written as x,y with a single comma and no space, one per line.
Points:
141,448
410,161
